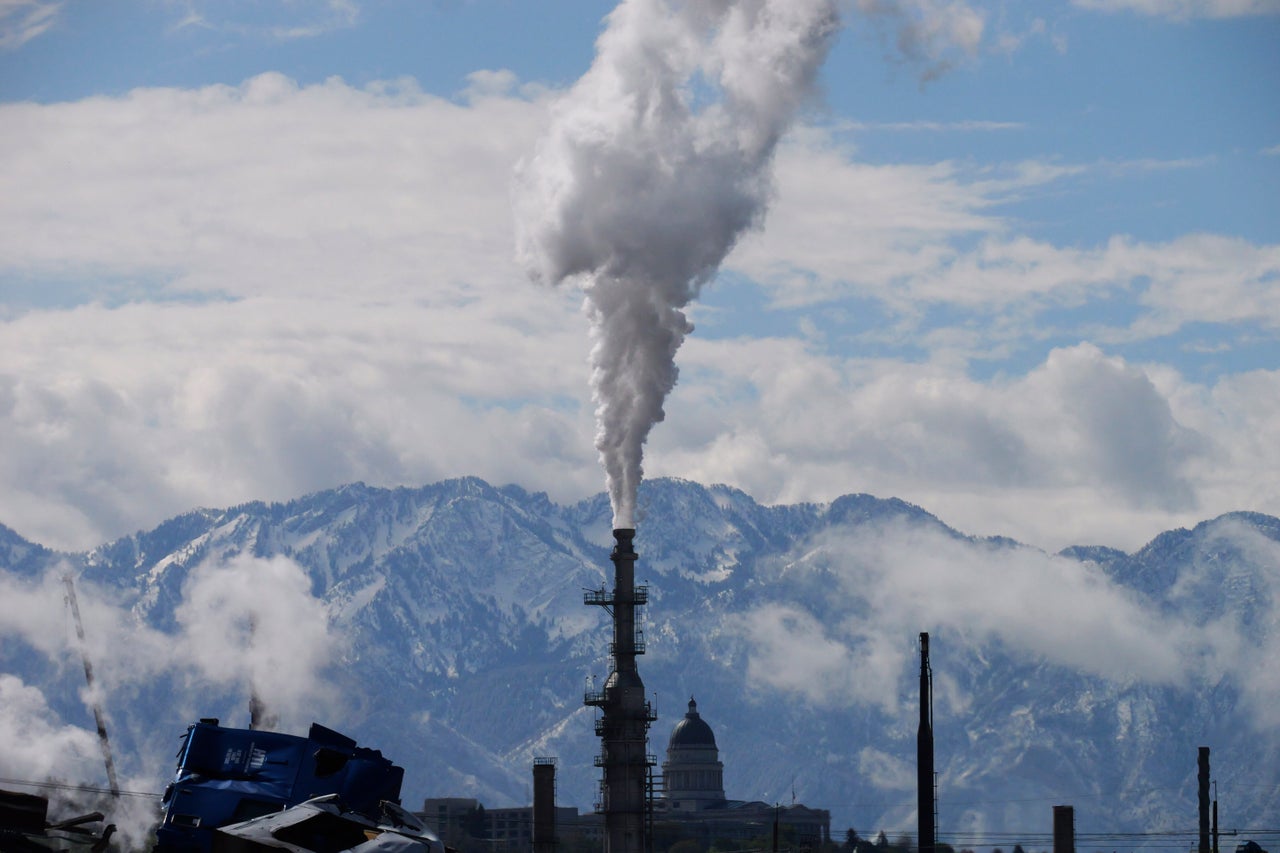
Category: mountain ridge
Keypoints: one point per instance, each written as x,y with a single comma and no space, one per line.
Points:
462,647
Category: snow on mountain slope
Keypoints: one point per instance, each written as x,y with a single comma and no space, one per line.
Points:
461,648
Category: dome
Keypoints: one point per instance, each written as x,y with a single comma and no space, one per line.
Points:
692,732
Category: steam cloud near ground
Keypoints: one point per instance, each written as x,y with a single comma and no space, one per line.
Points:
213,652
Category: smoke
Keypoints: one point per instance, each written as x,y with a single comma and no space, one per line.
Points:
214,657
655,162
251,624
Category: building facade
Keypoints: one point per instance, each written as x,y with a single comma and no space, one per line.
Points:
693,802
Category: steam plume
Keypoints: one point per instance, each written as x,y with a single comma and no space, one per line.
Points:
655,163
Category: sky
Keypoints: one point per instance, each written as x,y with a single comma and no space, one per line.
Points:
1018,266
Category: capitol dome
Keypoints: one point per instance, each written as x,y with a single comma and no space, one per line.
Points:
692,774
692,731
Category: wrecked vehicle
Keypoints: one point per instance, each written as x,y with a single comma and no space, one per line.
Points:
229,776
323,825
25,827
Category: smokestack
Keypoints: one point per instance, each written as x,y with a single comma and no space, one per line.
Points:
624,724
1204,799
1064,829
925,805
544,805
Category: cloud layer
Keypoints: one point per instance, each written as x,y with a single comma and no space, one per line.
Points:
1040,607
250,292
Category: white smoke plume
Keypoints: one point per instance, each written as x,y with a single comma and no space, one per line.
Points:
655,162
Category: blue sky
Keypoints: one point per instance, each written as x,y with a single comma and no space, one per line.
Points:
1020,265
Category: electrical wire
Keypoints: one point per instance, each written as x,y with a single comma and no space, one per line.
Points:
89,789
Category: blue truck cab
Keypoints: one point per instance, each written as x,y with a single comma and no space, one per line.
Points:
226,776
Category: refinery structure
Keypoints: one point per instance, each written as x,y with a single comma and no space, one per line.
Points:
623,724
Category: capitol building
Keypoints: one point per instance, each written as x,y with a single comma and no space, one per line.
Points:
692,801
688,804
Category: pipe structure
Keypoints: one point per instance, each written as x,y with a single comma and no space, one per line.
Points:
926,810
624,724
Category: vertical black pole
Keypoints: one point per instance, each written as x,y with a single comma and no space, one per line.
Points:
1204,799
924,752
1215,817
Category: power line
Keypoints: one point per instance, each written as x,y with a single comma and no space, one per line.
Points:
90,789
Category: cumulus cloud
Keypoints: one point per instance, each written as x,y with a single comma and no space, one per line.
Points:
915,235
1084,430
251,292
851,647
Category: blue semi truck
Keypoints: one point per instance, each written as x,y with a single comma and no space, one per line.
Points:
228,776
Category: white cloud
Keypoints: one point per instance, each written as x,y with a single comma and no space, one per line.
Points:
265,188
884,771
1085,448
935,34
851,647
23,20
251,292
1184,9
38,745
278,21
212,654
284,658
252,624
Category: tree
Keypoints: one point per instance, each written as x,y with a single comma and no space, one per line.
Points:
851,839
882,841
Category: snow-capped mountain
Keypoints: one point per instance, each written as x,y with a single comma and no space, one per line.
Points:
445,625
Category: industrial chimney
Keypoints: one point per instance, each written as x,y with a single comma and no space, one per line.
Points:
1064,829
1203,763
623,726
925,806
544,805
